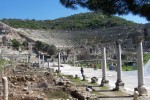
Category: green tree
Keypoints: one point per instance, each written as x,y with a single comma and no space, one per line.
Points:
139,7
15,44
39,45
51,50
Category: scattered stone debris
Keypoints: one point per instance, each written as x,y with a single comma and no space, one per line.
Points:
26,83
94,80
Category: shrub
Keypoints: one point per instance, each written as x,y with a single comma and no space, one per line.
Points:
15,44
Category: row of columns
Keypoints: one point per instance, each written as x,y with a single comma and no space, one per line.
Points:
141,88
119,83
43,61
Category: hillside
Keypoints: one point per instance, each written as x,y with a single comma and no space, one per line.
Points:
90,20
95,29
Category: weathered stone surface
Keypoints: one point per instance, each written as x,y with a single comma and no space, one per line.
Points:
94,79
25,89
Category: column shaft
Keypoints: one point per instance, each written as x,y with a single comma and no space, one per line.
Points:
48,64
104,81
119,64
43,60
27,58
119,83
59,62
73,59
5,88
39,60
140,65
141,88
104,63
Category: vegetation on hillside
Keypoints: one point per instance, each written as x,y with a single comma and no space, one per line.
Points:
112,7
49,49
89,20
16,44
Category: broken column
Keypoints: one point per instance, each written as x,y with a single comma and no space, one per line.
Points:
73,59
48,61
27,58
58,61
141,88
5,88
119,83
104,81
43,60
39,59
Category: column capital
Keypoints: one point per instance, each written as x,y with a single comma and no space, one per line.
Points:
138,36
118,42
138,39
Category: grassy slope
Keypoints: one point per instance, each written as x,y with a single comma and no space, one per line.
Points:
89,20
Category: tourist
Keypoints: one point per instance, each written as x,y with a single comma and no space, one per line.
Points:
82,71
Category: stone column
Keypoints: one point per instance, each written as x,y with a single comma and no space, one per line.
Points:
5,88
27,58
43,61
73,59
58,61
141,88
39,60
104,81
119,83
48,63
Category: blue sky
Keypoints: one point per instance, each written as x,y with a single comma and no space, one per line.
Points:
43,9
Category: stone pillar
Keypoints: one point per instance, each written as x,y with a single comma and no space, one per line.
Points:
5,88
104,81
141,88
58,61
119,83
39,59
73,59
27,58
48,63
43,61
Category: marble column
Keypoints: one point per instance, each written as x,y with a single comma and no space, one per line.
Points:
27,58
119,83
48,61
73,59
5,88
43,61
141,88
39,59
104,81
58,62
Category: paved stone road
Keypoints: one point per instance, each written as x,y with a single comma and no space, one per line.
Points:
104,94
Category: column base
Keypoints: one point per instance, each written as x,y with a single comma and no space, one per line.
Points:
58,71
142,91
104,82
119,85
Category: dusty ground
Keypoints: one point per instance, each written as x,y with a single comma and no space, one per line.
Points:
27,83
